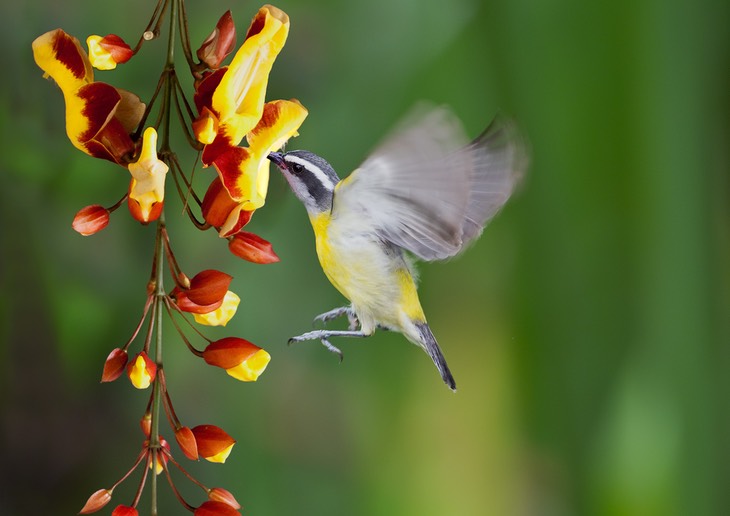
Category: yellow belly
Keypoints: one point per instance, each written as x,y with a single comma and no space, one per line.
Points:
380,286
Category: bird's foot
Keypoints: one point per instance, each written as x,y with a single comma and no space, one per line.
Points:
324,335
353,322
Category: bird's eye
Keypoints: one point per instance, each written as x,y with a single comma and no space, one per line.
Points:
296,168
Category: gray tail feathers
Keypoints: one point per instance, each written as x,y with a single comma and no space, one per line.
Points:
428,341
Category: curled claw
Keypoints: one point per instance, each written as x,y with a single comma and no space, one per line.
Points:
332,349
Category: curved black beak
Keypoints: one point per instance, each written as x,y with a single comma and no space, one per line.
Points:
278,159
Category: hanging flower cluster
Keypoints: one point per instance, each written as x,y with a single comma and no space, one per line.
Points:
228,105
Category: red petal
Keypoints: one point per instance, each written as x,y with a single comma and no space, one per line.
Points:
114,365
90,220
186,305
229,352
208,287
211,440
220,43
124,510
186,440
206,87
213,508
117,47
252,248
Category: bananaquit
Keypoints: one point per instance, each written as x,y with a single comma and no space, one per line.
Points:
425,191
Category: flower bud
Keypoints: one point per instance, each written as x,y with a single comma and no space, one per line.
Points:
96,501
114,365
124,510
214,444
252,248
90,220
240,358
220,43
221,211
215,508
107,52
186,440
218,494
146,424
221,315
141,371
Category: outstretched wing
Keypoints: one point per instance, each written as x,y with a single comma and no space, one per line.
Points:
428,191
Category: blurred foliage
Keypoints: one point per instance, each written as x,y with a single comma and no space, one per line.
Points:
588,330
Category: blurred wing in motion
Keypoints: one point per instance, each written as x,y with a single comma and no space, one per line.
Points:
428,191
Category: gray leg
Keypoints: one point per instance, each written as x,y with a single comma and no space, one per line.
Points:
338,312
324,335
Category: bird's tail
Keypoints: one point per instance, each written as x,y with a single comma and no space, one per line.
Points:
429,344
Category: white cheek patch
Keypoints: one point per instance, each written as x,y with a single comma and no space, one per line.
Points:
314,170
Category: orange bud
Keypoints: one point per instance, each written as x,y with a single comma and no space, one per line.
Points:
215,508
141,371
146,424
186,440
220,43
218,494
208,287
214,444
124,510
252,248
241,359
117,47
114,365
90,220
221,211
186,305
96,501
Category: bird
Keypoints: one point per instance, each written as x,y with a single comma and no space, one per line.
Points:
425,192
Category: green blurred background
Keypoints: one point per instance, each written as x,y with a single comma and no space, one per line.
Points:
588,329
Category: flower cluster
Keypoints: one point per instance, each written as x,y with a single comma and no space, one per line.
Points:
228,105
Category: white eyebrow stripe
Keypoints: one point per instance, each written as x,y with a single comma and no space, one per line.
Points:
317,172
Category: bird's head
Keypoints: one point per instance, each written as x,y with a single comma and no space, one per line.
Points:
310,177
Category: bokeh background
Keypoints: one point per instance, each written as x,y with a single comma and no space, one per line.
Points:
588,329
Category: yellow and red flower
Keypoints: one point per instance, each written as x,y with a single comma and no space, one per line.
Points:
230,104
214,444
221,315
147,186
99,117
107,52
240,358
205,294
141,371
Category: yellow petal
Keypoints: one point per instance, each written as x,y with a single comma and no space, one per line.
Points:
222,314
251,368
148,174
239,98
221,456
61,57
139,375
100,58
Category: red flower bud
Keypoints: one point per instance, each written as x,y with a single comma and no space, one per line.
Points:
114,365
90,220
221,211
96,501
218,494
208,287
214,444
214,508
124,510
117,47
186,440
220,43
252,248
241,359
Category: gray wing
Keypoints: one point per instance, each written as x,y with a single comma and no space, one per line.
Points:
427,190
